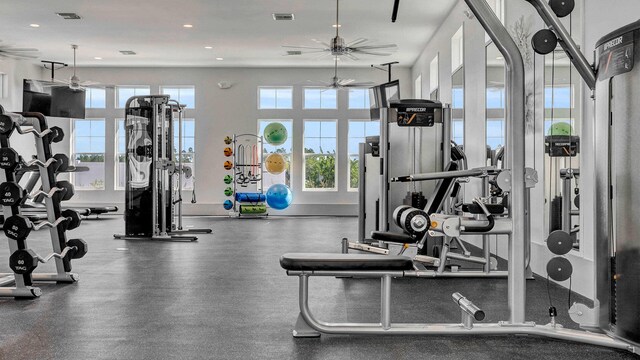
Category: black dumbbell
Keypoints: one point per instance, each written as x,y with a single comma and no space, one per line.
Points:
11,193
63,162
6,125
23,261
81,248
56,135
74,218
17,227
68,192
9,158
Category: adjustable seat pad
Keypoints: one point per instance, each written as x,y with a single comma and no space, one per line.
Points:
344,262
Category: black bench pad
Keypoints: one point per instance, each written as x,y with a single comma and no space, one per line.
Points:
393,237
344,262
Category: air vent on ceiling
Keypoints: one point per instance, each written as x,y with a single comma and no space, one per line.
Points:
69,16
294,52
127,52
282,16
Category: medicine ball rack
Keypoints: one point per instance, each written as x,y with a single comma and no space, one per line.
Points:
17,227
248,204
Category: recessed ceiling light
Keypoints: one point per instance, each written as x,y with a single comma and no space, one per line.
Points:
208,47
499,58
336,25
187,25
219,59
34,25
97,58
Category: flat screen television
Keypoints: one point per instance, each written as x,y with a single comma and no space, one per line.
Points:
51,99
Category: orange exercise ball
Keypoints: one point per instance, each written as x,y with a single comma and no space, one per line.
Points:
275,163
228,165
228,151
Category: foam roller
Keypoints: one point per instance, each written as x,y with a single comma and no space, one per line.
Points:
251,197
253,209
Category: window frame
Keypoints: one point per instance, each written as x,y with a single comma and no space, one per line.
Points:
74,137
367,99
261,156
117,93
192,153
349,154
305,155
259,105
304,98
179,87
88,99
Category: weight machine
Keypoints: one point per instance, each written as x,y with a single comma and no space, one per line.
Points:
150,170
613,321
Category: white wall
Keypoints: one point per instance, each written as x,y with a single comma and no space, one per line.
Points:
223,112
14,72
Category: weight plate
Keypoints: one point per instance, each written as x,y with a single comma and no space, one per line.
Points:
562,8
544,41
559,269
559,242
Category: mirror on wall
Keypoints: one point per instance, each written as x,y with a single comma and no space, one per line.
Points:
457,87
495,104
434,79
563,94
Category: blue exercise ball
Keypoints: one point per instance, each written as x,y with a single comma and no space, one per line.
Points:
279,196
227,204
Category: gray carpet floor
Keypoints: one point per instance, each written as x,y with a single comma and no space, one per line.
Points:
226,297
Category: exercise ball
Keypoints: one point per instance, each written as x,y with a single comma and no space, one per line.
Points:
228,140
279,196
228,165
228,151
561,128
275,133
228,179
275,164
228,204
228,191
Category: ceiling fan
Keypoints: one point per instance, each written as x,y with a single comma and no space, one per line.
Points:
8,51
74,82
337,83
338,47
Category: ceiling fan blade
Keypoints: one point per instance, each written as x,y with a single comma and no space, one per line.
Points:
66,82
323,43
12,49
371,47
370,53
360,84
351,56
322,56
303,47
344,82
356,42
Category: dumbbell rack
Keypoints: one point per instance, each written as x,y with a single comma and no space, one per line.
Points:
239,165
17,226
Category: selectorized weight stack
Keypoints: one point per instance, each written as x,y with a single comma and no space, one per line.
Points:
150,169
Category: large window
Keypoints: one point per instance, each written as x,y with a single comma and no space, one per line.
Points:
359,99
320,98
184,94
95,98
124,92
275,97
495,97
188,151
434,78
457,131
358,131
121,155
457,50
417,87
320,158
88,151
285,150
495,132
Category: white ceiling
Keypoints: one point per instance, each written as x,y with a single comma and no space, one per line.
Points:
240,31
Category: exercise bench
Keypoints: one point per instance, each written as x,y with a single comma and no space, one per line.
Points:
384,267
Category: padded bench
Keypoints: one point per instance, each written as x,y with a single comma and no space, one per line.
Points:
344,262
385,267
394,237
